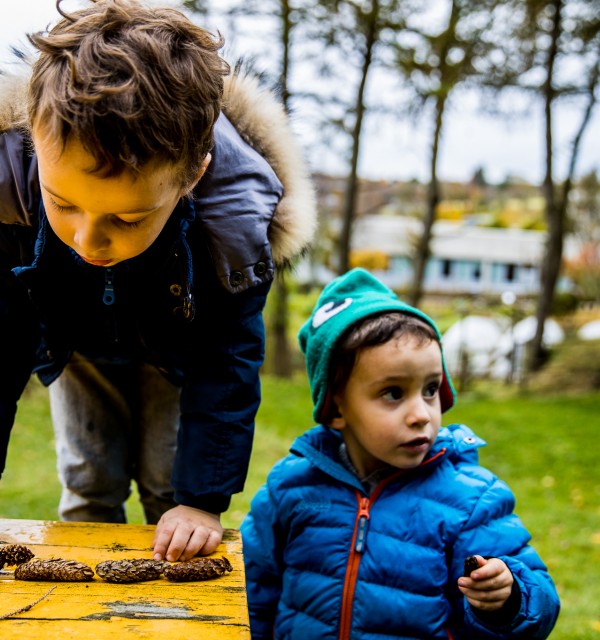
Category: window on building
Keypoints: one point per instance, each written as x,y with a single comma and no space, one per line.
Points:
446,268
511,272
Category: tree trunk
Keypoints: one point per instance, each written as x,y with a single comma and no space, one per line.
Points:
349,209
281,360
423,248
555,214
557,221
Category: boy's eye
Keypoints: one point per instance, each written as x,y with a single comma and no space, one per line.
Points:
431,389
125,224
61,208
119,222
393,393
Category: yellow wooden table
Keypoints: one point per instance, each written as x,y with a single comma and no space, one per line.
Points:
214,609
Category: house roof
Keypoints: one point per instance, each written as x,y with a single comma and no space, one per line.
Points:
451,241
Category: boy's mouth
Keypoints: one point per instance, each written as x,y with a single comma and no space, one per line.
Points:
96,263
417,443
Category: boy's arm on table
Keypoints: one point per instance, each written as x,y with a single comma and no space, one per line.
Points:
219,402
495,533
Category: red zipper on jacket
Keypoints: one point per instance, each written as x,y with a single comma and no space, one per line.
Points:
359,538
360,532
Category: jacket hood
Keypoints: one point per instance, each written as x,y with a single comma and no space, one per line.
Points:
261,121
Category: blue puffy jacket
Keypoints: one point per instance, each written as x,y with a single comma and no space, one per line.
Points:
191,304
324,561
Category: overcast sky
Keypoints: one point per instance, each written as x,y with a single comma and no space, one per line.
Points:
393,150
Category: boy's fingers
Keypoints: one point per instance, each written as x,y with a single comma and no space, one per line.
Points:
212,542
161,541
486,600
486,605
179,542
196,542
202,543
188,542
490,584
184,532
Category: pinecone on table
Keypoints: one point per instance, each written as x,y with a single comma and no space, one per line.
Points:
12,554
55,570
136,570
198,569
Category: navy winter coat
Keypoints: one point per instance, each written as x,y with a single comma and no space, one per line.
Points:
325,561
191,304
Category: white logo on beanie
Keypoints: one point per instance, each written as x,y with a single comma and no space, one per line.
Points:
327,311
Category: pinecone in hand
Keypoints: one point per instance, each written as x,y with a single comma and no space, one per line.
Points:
198,569
56,570
136,570
471,564
12,554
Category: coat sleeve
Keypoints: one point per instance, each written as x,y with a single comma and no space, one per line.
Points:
494,530
262,558
237,200
19,331
220,399
18,342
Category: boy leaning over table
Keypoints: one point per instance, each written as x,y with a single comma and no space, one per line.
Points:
147,196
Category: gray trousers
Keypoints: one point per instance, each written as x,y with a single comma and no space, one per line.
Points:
113,424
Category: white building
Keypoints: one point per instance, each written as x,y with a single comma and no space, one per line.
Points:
465,259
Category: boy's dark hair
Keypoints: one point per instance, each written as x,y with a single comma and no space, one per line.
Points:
369,332
132,84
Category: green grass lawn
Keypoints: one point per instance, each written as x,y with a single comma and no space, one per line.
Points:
544,447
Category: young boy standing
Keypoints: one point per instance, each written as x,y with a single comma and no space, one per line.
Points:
363,530
139,231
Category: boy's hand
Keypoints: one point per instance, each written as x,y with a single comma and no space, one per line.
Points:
184,532
489,586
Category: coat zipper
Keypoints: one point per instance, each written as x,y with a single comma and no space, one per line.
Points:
108,298
359,544
109,287
359,539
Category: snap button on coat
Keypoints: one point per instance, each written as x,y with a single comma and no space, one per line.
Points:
236,278
260,268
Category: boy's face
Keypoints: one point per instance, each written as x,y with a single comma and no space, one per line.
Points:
104,220
389,412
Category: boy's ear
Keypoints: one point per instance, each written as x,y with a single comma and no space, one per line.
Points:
203,167
336,421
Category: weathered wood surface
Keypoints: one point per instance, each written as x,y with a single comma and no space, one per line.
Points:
214,609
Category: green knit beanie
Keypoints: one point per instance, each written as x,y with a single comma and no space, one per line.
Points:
343,302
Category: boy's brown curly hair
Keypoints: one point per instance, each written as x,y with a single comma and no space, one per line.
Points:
132,84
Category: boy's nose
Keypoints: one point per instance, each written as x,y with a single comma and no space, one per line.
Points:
418,412
90,238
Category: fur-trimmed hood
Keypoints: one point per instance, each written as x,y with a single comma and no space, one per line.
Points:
262,122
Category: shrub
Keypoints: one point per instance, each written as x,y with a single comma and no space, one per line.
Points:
574,367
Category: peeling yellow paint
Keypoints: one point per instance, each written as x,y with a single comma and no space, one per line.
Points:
211,610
